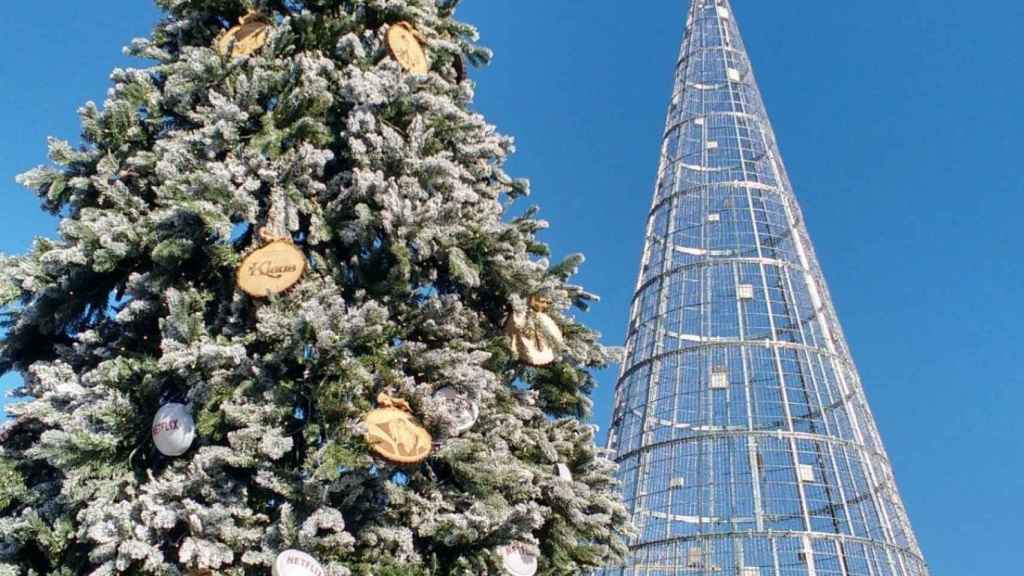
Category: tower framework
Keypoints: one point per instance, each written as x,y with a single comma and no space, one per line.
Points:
745,441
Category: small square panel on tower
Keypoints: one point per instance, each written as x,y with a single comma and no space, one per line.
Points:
714,217
745,291
733,74
806,473
723,13
719,379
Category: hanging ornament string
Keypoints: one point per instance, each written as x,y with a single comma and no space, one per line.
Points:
272,269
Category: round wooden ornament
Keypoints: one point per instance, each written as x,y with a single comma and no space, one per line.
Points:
405,44
394,433
517,561
272,269
296,563
248,36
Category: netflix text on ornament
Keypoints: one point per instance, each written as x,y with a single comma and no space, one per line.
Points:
304,564
165,426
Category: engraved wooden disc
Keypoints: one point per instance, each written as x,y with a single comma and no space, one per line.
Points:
271,270
405,46
395,435
248,36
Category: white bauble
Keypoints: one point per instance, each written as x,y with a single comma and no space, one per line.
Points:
464,412
517,561
563,472
173,429
295,563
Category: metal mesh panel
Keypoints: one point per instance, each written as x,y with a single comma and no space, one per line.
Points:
745,442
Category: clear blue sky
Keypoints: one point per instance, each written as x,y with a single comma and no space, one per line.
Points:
899,123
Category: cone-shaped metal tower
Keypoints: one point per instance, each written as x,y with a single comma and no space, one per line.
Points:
745,441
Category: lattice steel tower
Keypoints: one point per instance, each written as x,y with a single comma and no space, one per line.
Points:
745,441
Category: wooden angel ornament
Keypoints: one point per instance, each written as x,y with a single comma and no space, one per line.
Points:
535,337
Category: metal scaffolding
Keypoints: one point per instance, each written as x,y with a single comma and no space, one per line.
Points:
745,441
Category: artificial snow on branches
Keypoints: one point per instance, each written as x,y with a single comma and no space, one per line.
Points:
391,193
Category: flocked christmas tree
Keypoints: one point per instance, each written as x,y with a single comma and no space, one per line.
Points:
289,325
